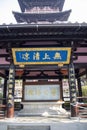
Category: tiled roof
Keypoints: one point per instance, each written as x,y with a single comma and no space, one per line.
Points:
31,3
60,32
34,17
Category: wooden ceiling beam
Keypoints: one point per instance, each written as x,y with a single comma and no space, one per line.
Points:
80,53
40,77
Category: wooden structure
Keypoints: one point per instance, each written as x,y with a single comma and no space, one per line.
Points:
44,35
41,11
2,111
65,35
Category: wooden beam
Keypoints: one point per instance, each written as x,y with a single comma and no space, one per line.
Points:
2,75
80,74
80,53
40,77
4,55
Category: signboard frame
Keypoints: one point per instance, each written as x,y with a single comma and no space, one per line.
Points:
30,84
59,51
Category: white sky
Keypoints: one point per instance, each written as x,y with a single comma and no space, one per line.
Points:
78,14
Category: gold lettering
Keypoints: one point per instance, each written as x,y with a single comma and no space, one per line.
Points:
11,70
25,56
30,92
10,91
72,84
38,92
10,86
71,74
9,96
10,76
57,55
46,56
36,56
53,91
72,79
45,92
71,69
10,80
10,101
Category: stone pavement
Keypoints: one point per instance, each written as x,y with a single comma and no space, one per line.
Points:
51,123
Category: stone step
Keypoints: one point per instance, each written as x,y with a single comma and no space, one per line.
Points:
21,127
64,116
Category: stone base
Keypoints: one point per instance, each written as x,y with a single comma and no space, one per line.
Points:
42,109
19,127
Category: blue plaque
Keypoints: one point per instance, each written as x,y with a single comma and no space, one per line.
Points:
26,56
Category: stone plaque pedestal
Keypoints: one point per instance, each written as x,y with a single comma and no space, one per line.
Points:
42,108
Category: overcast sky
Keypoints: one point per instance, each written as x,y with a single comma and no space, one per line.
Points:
78,14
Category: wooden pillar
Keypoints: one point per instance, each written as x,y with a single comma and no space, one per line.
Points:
72,86
61,89
24,81
79,84
79,88
86,73
5,91
10,99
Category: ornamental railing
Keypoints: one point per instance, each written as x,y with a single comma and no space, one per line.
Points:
2,108
80,107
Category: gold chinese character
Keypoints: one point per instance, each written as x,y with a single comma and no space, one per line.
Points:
10,86
46,56
30,92
72,79
25,56
10,76
53,91
45,92
10,91
11,70
9,96
72,84
57,55
71,69
36,56
71,74
38,92
10,102
73,90
10,80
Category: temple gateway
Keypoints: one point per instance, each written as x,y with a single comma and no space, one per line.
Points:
37,54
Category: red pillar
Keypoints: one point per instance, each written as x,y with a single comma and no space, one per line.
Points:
10,112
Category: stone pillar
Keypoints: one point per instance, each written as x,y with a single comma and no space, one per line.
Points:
5,90
10,98
72,86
